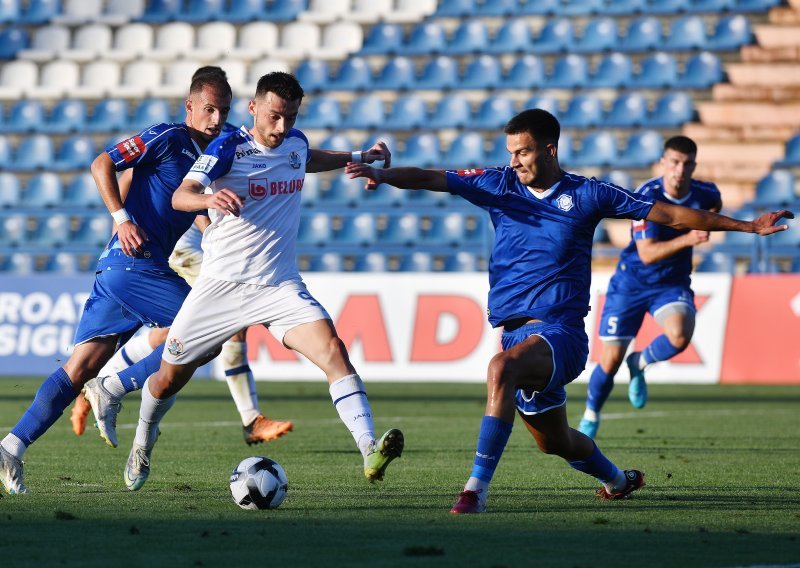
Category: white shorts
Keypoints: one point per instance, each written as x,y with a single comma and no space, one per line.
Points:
216,309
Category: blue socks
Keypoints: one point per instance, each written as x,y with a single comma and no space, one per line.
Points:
597,465
55,394
600,386
660,349
492,441
134,376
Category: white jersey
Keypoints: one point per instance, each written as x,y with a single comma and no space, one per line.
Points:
258,247
190,240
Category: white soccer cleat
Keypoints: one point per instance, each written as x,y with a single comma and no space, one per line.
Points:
105,407
137,470
11,473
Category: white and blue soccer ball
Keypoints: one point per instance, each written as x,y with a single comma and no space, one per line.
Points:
258,483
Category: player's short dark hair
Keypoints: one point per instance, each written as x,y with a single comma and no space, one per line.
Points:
682,144
285,85
210,76
209,70
540,124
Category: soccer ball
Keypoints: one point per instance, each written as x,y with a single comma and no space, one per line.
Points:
258,483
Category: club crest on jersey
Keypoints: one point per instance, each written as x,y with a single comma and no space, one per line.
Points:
294,160
258,188
175,347
472,172
565,202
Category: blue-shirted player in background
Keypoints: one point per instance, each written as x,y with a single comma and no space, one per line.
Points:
134,284
653,275
539,276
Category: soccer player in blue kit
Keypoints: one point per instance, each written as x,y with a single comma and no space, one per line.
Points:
539,276
653,274
134,284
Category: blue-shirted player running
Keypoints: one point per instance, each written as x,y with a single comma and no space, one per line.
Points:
653,275
539,276
134,284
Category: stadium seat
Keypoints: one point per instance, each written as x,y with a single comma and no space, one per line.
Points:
10,191
598,148
313,75
12,41
566,149
583,111
239,114
557,35
43,190
754,6
90,42
402,229
51,230
456,8
784,243
427,38
408,112
108,115
77,12
284,11
540,8
397,74
709,6
9,11
582,7
199,11
730,33
25,116
214,40
5,151
447,229
22,263
131,41
260,68
339,40
62,263
244,11
494,113
120,12
411,11
624,7
642,150
321,112
315,229
76,152
256,40
326,262
421,150
498,153
354,74
149,112
483,72
172,40
628,110
527,72
40,12
514,36
365,112
56,79
99,79
643,34
701,72
667,7
569,72
358,230
671,110
417,261
373,261
337,142
17,78
161,11
599,35
497,8
544,102
465,151
33,153
383,39
92,231
13,229
462,261
620,178
370,11
685,34
791,157
343,191
658,71
82,193
717,262
776,190
440,73
471,37
452,111
614,71
139,79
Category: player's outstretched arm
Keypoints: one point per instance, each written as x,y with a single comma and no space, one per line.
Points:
190,197
687,218
652,250
404,178
327,160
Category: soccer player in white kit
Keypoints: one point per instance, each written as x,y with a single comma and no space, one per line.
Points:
249,273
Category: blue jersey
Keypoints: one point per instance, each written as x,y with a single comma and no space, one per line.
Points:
676,269
161,156
541,262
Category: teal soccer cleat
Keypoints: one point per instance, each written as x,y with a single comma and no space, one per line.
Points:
637,389
589,427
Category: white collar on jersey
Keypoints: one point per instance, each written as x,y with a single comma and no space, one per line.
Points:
546,193
676,200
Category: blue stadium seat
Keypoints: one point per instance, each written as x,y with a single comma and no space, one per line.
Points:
240,112
12,41
456,8
402,229
5,152
599,35
466,151
13,229
496,8
498,153
149,112
322,112
82,193
544,102
358,229
26,116
313,75
68,115
284,10
709,6
421,150
462,261
75,153
614,71
791,156
598,148
776,190
494,112
92,231
643,34
569,72
627,110
337,142
427,38
408,112
540,8
624,7
754,6
365,112
686,33
581,7
40,11
566,149
162,11
557,35
343,191
527,72
315,229
483,72
244,11
417,261
451,112
354,74
62,263
33,153
642,150
311,190
387,137
10,11
373,261
50,230
382,39
717,262
198,11
43,190
383,197
22,263
671,110
667,7
109,115
583,111
785,243
471,37
514,36
440,73
447,229
701,72
619,178
730,33
658,71
398,74
326,262
10,191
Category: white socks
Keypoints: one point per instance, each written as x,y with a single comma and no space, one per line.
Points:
590,415
350,399
617,484
150,415
14,446
136,349
475,484
240,380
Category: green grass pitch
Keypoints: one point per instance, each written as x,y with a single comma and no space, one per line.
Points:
721,465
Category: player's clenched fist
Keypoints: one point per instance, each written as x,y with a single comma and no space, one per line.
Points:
226,202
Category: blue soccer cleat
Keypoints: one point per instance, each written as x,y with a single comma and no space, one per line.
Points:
589,427
637,389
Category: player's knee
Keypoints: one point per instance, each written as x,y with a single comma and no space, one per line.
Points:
498,372
679,340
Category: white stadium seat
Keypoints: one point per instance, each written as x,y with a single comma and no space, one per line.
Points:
131,41
139,78
261,68
236,71
17,78
340,40
256,40
48,42
325,11
99,79
89,42
214,40
369,11
177,77
77,12
173,40
120,12
298,40
56,79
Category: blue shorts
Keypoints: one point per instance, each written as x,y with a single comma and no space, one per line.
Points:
570,348
626,307
122,300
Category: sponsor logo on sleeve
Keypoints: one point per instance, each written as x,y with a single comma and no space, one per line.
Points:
472,172
204,163
131,148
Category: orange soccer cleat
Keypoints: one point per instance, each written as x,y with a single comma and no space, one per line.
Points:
80,410
262,429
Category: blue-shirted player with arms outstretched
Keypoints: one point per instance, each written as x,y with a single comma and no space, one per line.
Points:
653,275
539,276
134,284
